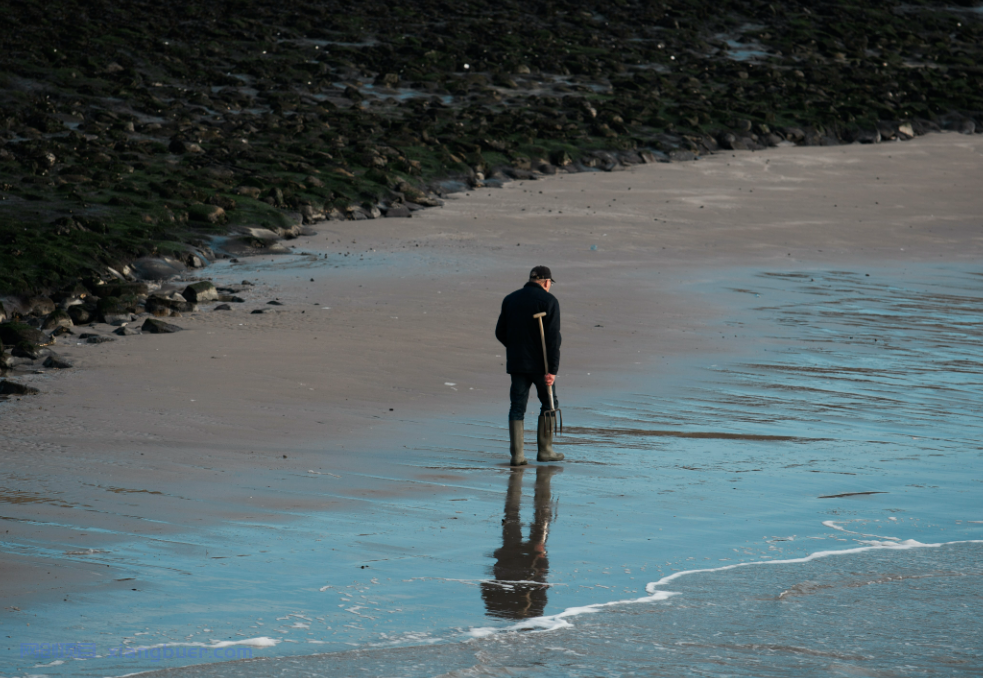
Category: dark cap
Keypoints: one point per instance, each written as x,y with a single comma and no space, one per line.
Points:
541,273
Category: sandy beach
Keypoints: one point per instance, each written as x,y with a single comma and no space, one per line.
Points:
383,346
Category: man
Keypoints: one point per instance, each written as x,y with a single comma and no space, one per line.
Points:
518,330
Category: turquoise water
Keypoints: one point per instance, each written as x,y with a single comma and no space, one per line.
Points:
807,503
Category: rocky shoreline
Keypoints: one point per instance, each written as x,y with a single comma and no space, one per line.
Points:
134,135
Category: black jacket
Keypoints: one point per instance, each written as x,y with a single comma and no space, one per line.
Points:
519,331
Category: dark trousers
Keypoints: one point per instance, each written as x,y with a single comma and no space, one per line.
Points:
519,394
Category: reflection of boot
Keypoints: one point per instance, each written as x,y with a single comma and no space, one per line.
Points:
539,530
544,440
515,443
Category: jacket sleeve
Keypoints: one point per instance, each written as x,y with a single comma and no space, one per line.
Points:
501,329
552,332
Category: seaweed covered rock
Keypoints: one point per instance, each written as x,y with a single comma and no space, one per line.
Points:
57,318
164,306
114,309
16,333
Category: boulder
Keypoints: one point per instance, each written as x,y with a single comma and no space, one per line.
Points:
199,292
40,305
210,214
16,333
179,146
155,268
95,338
154,326
794,134
8,387
866,137
163,306
80,315
398,210
114,309
55,362
3,313
222,307
125,331
560,158
26,349
311,215
248,191
680,155
57,318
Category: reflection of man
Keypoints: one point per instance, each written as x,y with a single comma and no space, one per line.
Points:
519,331
519,589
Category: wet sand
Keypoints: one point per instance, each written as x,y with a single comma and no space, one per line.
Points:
155,438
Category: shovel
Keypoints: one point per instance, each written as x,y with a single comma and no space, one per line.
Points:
554,416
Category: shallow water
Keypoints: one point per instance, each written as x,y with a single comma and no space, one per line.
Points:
844,423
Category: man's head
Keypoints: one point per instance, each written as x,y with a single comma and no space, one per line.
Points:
542,276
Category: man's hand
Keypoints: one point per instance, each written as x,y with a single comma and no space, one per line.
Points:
550,379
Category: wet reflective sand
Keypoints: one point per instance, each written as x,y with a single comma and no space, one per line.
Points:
845,421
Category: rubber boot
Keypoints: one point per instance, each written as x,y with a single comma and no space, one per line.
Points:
516,443
544,440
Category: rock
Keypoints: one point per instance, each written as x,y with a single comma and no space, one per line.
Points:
311,215
923,127
3,313
560,158
199,292
26,350
258,310
61,331
518,174
180,147
866,137
8,387
80,315
56,362
113,309
57,318
274,302
211,214
249,191
126,331
40,305
157,268
771,139
228,204
154,326
794,134
398,210
95,338
16,333
906,130
158,305
222,307
680,155
731,142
